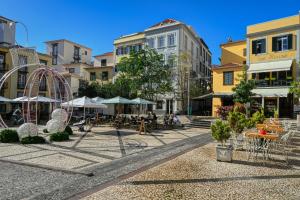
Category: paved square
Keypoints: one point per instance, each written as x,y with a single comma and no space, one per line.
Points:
101,145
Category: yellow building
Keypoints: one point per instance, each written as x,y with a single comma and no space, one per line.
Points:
124,44
226,76
103,69
273,62
15,84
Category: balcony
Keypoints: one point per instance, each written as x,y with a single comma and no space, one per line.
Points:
273,83
76,58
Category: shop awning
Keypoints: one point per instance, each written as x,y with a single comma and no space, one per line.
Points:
205,96
223,94
271,92
275,66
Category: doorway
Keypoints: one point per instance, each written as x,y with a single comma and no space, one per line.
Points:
169,106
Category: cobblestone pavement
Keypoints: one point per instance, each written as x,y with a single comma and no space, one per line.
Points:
197,175
100,146
56,171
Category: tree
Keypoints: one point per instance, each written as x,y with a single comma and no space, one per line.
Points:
182,75
242,92
145,73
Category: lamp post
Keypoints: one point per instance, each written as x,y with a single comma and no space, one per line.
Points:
25,27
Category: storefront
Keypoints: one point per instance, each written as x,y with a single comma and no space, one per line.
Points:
272,99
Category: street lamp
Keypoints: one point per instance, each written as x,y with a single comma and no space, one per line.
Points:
25,27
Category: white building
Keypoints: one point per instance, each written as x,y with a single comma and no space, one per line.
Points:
70,59
172,38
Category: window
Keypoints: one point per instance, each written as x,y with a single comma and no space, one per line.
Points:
43,62
227,78
71,70
140,47
21,80
20,94
22,60
259,46
76,54
103,62
127,49
43,84
185,42
282,43
197,52
161,42
151,42
171,39
92,76
192,49
85,52
171,60
104,76
159,104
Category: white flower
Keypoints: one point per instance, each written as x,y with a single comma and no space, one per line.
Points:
27,129
60,115
54,126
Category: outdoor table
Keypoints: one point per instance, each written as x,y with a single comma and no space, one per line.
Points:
260,143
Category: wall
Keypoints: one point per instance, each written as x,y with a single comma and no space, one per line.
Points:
233,53
109,60
98,71
274,24
215,104
218,78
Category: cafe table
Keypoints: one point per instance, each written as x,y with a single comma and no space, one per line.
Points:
257,142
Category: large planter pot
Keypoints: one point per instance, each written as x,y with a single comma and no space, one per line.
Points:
224,153
237,141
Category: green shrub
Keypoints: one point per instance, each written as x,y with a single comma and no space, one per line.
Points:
33,140
237,121
8,136
220,131
258,117
69,130
45,130
59,136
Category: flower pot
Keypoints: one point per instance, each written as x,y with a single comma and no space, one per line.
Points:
224,153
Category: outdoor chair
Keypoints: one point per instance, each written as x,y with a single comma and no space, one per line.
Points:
283,146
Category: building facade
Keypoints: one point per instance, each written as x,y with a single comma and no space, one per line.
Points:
171,38
15,84
70,57
226,76
103,69
273,63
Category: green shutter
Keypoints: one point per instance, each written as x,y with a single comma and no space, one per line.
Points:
290,41
254,47
274,39
263,43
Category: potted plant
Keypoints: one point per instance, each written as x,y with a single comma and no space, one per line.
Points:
237,122
221,132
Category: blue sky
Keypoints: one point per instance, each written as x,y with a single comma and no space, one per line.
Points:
96,23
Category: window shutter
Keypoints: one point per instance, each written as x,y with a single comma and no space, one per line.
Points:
254,47
263,44
290,41
274,39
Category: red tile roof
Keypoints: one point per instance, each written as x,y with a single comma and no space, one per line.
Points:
105,54
164,22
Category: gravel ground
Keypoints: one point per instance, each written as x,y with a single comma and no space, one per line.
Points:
19,182
197,175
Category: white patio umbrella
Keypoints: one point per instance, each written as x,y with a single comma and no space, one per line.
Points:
118,100
20,99
141,101
43,99
3,99
98,99
83,102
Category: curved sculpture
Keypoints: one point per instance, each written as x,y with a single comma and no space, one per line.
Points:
58,89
